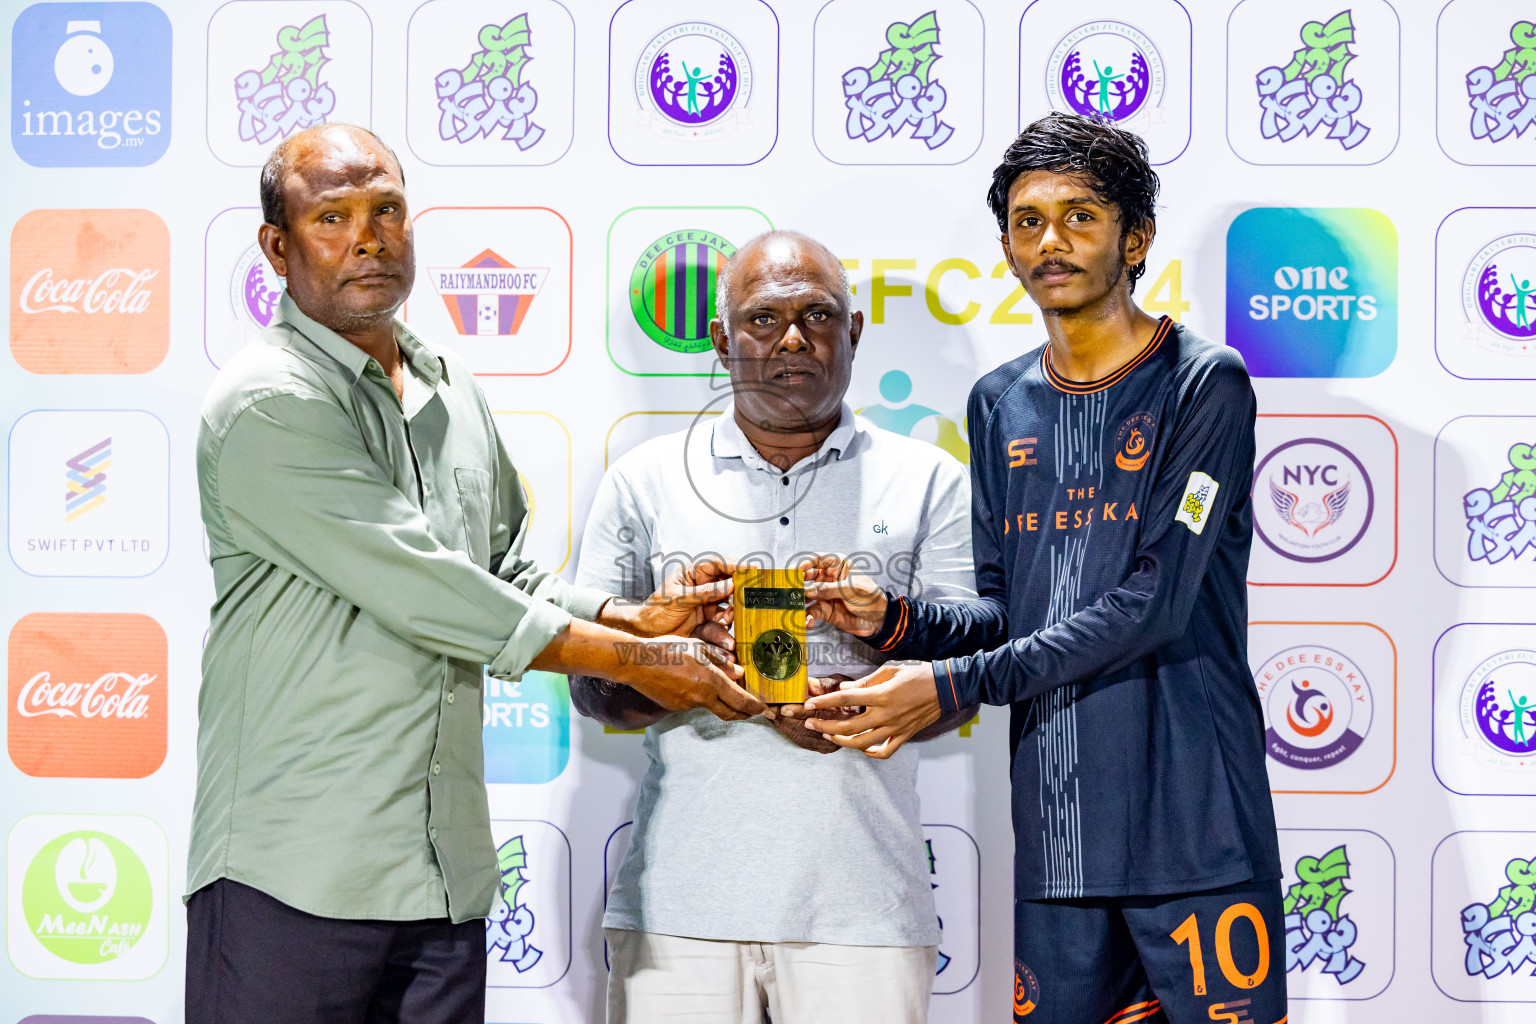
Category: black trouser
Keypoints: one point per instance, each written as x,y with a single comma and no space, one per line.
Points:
254,960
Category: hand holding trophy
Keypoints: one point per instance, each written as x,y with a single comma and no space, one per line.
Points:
841,597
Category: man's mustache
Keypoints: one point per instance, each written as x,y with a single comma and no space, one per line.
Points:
1055,267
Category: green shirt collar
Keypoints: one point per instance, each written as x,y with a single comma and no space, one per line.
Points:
422,362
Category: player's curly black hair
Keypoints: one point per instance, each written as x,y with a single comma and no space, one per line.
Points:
1110,160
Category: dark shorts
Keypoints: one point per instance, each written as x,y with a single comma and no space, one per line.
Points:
254,960
1195,958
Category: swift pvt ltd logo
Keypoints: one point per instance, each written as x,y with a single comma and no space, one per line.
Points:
85,480
88,493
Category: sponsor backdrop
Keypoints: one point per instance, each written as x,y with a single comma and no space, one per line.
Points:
1343,184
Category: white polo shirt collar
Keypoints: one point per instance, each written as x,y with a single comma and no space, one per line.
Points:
727,441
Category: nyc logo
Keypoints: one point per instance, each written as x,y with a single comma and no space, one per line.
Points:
91,85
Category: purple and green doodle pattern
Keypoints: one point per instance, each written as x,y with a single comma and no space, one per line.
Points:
1314,89
489,94
899,90
287,95
1503,97
1501,522
1501,934
511,922
1315,930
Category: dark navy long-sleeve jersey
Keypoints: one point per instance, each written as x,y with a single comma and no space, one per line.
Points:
1111,526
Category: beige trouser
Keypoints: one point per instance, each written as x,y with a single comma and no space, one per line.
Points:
666,978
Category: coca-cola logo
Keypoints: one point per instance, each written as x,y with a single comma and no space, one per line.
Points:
88,695
111,695
115,290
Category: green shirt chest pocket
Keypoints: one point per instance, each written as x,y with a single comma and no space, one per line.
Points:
474,486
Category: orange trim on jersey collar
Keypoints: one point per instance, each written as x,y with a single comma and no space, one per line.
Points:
1073,387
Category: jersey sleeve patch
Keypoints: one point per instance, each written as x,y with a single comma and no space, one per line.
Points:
1199,497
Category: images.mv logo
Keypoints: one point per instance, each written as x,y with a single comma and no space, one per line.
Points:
91,85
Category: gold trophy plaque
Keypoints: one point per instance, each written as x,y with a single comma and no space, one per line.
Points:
770,633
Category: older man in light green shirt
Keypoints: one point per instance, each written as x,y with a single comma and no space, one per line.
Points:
365,527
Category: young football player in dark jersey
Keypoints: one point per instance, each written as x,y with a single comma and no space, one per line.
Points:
1111,523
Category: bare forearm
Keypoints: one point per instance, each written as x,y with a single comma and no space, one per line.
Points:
588,648
617,613
673,672
614,704
946,723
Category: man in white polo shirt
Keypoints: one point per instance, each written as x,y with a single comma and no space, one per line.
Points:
728,902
